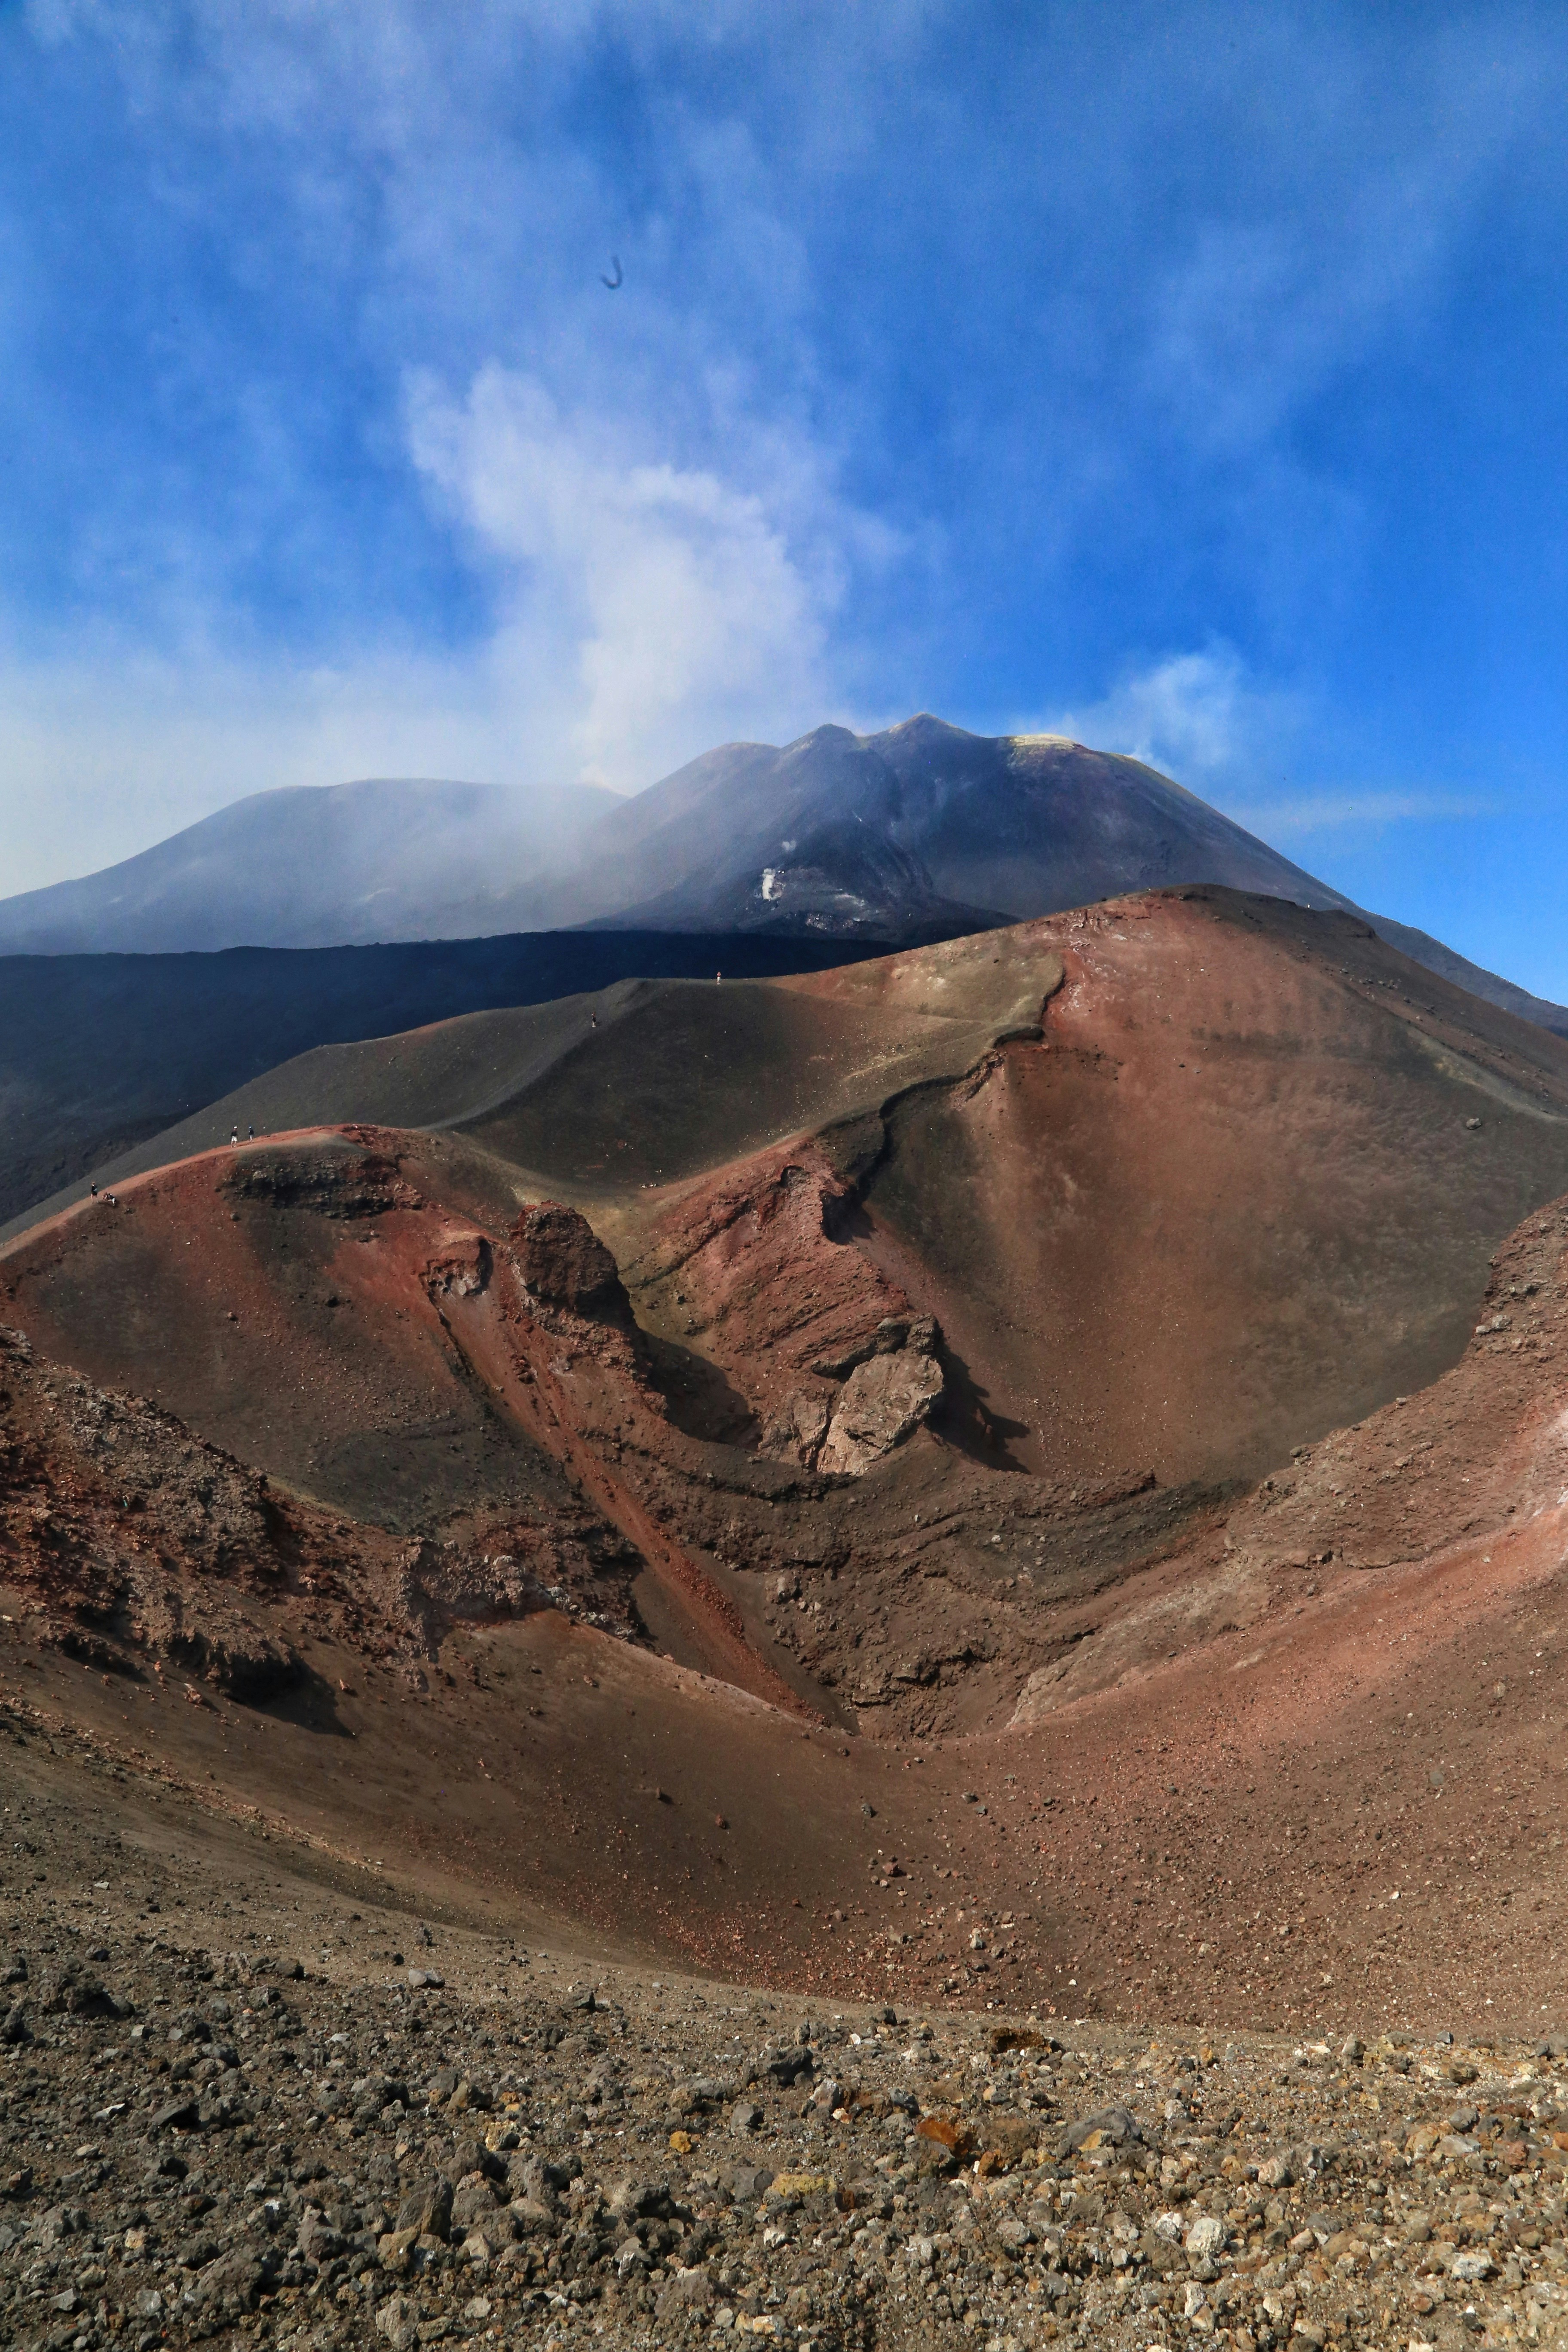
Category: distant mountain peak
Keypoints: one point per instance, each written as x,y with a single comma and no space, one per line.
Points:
830,731
926,722
922,830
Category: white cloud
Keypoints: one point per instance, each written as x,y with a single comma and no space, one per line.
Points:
648,608
1198,717
652,516
1298,815
1241,742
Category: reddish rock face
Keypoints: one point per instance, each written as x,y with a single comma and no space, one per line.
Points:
563,1262
459,1264
1234,1190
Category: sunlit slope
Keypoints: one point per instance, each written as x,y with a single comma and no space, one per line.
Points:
1247,1189
1185,1178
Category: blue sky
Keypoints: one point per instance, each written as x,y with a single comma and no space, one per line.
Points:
1191,376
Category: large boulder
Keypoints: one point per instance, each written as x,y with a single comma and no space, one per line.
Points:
564,1265
881,1402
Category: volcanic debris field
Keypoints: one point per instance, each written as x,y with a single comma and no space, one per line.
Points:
417,2131
871,1658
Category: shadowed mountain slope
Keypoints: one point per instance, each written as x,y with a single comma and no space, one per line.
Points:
883,835
854,833
920,831
99,1052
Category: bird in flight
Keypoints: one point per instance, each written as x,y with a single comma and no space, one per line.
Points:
616,265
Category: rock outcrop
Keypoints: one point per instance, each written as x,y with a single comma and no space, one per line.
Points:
890,1383
562,1264
881,1402
460,1265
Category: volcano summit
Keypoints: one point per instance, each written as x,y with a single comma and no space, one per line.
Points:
921,832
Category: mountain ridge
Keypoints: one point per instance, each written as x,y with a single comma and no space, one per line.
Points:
99,1053
262,862
919,831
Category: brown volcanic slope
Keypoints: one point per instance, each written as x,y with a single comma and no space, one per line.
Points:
679,1070
1243,1188
1271,1783
1246,1194
1190,1715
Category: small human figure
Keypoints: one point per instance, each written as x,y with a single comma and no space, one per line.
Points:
235,1137
95,1191
250,1132
717,980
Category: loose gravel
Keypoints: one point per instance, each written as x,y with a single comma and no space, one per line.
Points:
244,2107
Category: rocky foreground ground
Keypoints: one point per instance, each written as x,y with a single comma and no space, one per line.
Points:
241,2103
